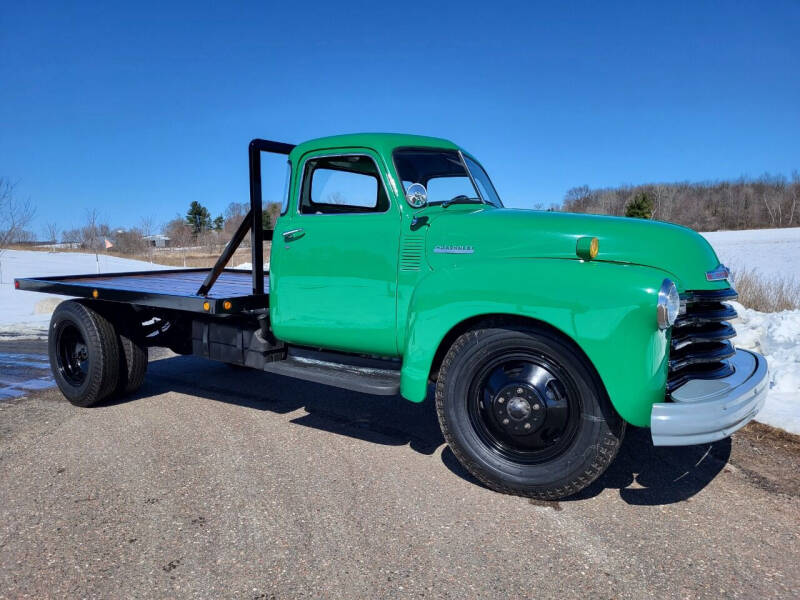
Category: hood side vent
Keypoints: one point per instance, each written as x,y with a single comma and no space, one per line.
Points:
411,253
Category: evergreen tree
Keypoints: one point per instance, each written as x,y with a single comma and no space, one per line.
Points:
198,218
219,222
641,207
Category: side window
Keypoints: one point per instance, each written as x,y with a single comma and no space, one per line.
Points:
342,184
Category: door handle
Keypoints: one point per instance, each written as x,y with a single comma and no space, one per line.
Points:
293,234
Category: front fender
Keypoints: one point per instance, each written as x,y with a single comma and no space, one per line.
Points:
607,309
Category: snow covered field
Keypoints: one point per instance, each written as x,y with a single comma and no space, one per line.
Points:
27,314
777,337
771,252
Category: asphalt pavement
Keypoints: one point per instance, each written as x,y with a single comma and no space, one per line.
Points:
216,483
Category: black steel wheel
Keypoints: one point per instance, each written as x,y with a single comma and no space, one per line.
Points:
524,407
72,355
524,411
84,353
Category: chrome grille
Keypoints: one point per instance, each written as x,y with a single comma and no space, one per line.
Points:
699,345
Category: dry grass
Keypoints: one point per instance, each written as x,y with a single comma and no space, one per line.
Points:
766,294
773,437
192,258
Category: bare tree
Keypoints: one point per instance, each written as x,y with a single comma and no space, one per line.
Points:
89,233
93,234
71,236
234,214
179,234
15,216
130,241
768,201
147,229
52,230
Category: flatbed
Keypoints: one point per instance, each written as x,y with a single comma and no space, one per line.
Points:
175,289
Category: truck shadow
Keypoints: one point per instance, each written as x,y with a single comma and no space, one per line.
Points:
388,420
643,474
646,475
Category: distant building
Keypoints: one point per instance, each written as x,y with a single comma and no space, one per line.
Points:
157,241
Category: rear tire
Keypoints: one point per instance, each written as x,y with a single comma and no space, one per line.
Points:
524,411
133,362
133,357
84,353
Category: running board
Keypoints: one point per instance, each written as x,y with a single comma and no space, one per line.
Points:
368,376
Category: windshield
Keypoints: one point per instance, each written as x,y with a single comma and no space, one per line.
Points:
485,187
444,175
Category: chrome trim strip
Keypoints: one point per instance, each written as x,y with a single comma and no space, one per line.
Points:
453,250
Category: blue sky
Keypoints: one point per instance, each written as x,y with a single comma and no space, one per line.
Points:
137,109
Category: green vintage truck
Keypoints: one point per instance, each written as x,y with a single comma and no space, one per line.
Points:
395,268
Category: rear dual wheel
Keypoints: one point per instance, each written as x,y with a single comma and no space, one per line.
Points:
90,358
524,412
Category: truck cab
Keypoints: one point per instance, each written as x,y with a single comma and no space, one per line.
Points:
395,267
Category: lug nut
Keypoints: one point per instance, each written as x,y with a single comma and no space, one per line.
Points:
519,390
527,425
500,400
505,421
535,407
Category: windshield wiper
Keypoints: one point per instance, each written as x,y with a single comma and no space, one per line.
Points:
461,199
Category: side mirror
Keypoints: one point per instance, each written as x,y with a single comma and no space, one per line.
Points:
417,195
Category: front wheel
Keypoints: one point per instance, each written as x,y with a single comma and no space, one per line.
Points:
524,412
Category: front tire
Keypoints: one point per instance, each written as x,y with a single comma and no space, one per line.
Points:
524,411
84,353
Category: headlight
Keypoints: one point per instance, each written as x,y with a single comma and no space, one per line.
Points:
669,304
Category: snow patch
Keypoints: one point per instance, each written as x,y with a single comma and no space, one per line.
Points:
26,315
777,337
46,306
249,266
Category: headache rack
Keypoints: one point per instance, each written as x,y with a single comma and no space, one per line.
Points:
217,290
700,344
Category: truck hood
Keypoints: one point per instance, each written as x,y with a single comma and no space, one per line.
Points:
458,234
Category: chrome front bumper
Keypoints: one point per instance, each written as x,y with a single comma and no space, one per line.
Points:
706,410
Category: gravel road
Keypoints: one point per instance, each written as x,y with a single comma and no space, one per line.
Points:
215,483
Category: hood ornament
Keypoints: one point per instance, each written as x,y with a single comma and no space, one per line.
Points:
718,274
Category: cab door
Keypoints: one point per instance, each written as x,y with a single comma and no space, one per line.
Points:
333,275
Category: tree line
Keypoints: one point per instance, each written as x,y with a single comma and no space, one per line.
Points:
764,202
198,228
194,228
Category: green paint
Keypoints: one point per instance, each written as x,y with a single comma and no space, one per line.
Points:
370,283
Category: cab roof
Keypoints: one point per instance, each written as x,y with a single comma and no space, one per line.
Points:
383,143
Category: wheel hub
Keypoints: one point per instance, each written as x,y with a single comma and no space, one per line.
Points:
72,355
519,409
